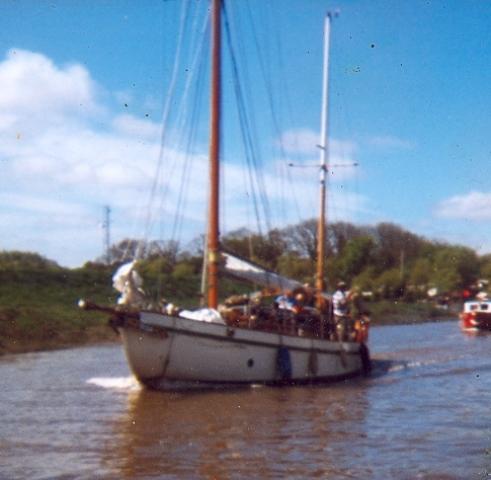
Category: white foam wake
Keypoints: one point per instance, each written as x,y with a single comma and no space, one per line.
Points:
414,364
116,383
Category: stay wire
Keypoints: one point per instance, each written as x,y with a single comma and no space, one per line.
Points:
165,119
268,82
242,115
186,129
257,180
189,154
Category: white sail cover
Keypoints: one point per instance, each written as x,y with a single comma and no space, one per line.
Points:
128,282
203,315
245,270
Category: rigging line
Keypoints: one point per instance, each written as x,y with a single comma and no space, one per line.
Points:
279,57
348,151
243,121
189,157
251,155
271,100
165,117
269,86
191,132
175,158
194,70
191,74
288,106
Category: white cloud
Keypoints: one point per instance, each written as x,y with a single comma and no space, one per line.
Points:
129,124
38,206
124,97
62,156
301,141
61,162
304,141
388,142
471,206
31,83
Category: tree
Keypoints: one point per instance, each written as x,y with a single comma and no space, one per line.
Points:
134,249
239,242
262,249
294,266
395,245
302,239
421,273
485,267
267,249
123,251
365,280
455,267
15,260
168,249
340,233
389,284
355,256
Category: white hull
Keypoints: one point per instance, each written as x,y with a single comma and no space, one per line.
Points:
162,348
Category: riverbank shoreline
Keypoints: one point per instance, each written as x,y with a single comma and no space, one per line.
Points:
92,336
404,313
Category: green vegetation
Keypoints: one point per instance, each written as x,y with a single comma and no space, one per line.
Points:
385,312
385,260
38,303
391,266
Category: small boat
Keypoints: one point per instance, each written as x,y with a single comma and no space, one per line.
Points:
283,334
476,316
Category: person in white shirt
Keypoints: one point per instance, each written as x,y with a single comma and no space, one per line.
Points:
342,320
340,300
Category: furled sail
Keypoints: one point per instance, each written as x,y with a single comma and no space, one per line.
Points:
128,282
245,270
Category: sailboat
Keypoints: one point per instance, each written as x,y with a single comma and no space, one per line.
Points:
247,340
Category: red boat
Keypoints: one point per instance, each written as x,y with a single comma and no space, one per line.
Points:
476,316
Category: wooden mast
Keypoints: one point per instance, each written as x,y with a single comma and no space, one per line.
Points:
321,226
214,213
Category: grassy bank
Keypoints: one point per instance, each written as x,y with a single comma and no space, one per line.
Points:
38,304
397,313
38,308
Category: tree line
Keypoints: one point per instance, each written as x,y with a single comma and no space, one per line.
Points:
385,260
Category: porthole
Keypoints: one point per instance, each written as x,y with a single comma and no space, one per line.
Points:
250,363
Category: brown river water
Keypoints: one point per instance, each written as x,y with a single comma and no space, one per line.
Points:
425,413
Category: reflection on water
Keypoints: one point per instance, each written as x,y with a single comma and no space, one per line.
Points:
246,432
424,413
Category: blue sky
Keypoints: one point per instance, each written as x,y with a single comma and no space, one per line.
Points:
83,92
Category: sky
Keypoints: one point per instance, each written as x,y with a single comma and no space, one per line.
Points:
95,112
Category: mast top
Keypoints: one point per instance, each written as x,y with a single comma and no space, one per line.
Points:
333,13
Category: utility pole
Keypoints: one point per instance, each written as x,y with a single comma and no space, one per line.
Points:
106,228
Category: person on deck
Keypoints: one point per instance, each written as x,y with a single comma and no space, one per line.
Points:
360,316
286,301
340,300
